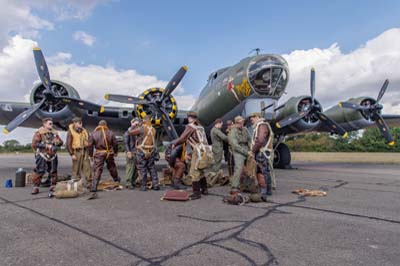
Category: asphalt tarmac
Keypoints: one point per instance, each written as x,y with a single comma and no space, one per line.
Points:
357,223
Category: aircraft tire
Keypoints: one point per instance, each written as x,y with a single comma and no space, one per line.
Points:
282,157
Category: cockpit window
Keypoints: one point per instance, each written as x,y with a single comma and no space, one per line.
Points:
280,83
268,78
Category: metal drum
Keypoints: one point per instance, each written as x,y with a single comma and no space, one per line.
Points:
20,177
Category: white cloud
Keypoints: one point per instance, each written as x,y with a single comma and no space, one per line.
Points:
84,37
17,68
65,9
340,76
17,17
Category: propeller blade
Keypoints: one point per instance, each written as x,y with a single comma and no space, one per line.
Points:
312,85
291,119
353,106
383,90
383,128
82,104
173,83
125,99
22,117
167,124
41,67
332,125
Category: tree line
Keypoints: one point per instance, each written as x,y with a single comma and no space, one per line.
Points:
368,140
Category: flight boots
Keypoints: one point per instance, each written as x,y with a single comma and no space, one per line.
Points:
203,186
196,191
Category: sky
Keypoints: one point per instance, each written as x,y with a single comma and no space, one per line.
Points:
101,46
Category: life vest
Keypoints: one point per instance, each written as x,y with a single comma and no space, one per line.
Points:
269,145
79,139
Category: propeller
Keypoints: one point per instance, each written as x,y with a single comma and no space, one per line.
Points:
173,83
372,111
157,105
49,97
311,111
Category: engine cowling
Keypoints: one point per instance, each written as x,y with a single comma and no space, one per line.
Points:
154,95
351,119
55,109
298,105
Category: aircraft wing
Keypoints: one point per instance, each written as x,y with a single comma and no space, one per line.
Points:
118,118
392,120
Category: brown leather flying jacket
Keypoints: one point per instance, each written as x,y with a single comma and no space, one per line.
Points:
142,132
103,140
262,138
42,137
189,132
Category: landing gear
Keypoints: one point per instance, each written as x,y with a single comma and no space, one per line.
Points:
282,157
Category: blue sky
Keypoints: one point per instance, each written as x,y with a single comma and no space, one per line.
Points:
156,37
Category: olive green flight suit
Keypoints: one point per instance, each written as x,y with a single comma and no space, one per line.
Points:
217,139
239,141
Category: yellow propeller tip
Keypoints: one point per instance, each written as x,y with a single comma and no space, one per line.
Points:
36,48
346,135
5,131
185,68
340,104
106,96
278,125
102,109
391,143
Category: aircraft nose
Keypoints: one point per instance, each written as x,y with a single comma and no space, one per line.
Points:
268,75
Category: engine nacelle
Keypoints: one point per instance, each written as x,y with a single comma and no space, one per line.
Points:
298,105
154,95
351,119
55,109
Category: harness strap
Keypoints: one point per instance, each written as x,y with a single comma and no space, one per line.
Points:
149,133
107,150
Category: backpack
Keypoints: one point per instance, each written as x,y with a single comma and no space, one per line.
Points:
203,150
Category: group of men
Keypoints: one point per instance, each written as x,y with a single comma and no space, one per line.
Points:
190,152
100,147
244,148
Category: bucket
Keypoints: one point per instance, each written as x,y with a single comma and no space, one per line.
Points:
8,183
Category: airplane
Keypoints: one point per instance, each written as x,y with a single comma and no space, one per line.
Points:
254,84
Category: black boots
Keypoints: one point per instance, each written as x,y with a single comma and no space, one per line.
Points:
196,190
269,185
92,195
203,186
